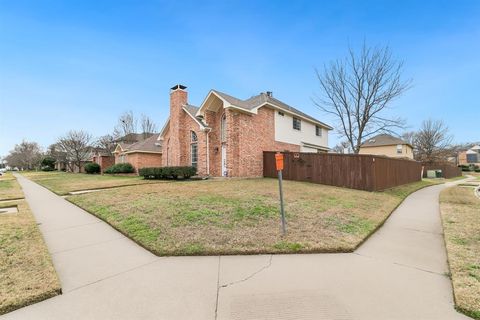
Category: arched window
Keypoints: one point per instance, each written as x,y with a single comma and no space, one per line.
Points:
193,148
223,128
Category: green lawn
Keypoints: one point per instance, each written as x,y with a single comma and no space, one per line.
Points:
241,216
9,187
26,270
461,223
62,183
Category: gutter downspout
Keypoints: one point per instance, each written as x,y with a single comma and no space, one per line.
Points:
207,130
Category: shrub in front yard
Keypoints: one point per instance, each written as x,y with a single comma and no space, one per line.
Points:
167,172
92,168
120,168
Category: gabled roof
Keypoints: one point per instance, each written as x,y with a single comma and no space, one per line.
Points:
475,148
149,145
134,137
255,102
192,111
383,140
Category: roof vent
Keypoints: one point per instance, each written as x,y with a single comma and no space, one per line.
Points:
178,86
371,140
269,94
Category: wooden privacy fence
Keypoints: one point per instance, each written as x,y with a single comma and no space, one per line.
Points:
448,170
363,172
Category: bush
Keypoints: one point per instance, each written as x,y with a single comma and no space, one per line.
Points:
167,172
48,162
120,168
92,168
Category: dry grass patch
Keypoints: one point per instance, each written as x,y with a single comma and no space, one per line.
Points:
9,187
461,224
26,271
62,183
241,216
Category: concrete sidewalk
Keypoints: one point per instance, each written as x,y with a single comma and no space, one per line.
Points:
399,273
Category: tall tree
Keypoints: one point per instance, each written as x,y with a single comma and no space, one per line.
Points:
148,125
106,143
127,123
76,145
358,89
26,155
433,141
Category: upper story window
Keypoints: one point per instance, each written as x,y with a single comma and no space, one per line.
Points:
297,124
399,149
193,136
318,131
223,128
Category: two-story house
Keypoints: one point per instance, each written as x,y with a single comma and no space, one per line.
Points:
226,136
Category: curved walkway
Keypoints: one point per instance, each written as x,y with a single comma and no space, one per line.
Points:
399,273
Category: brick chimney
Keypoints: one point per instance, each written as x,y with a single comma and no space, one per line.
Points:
178,98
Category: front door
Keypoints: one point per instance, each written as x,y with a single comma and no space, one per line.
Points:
224,160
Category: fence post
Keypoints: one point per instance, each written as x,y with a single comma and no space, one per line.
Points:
279,167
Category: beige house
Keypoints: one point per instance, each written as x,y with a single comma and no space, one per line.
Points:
387,145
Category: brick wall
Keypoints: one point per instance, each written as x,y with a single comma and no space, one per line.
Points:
143,160
104,161
247,137
177,139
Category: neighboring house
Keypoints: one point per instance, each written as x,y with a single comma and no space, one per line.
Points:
226,136
103,158
387,145
140,150
470,156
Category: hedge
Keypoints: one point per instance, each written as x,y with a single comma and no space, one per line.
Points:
120,168
92,168
167,172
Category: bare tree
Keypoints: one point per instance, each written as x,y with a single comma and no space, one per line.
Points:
409,136
127,123
358,89
433,141
341,147
147,124
106,143
26,155
76,145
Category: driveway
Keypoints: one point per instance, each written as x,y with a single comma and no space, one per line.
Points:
399,273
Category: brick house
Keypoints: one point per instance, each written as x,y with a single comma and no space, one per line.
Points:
103,158
140,150
226,136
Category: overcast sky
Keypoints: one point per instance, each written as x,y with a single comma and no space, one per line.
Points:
79,64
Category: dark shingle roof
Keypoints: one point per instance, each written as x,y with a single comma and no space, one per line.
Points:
383,140
151,144
134,137
262,98
192,110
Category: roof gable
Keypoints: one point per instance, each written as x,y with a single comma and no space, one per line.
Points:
383,140
252,104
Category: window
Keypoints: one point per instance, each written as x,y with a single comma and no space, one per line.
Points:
194,149
223,128
472,158
280,113
194,153
297,125
194,137
318,131
399,149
